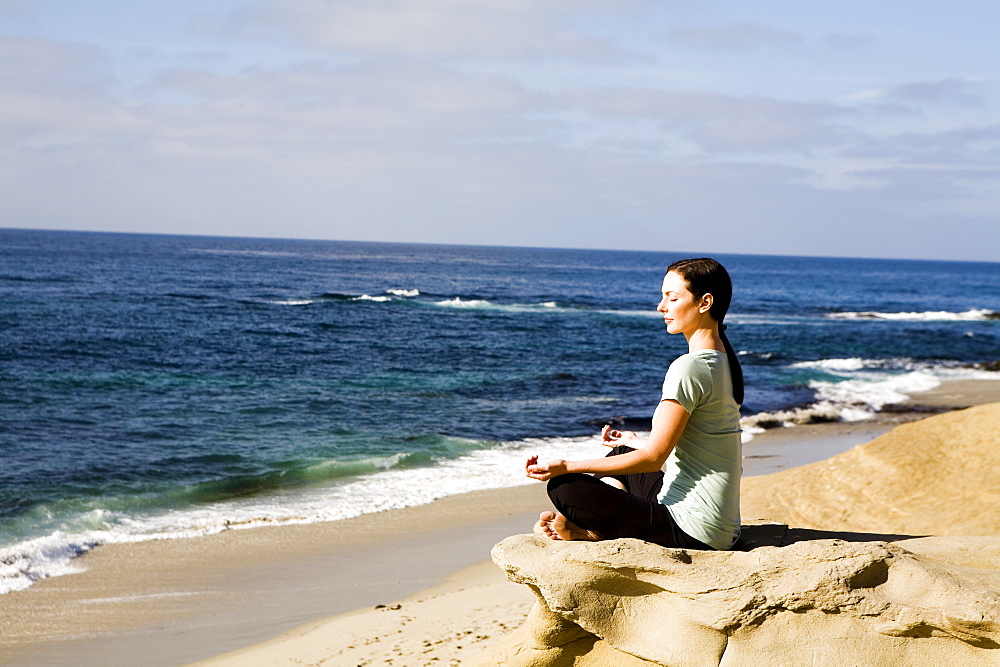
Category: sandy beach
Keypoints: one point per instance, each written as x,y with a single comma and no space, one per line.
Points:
404,587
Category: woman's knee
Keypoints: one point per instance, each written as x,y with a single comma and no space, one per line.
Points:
559,482
562,488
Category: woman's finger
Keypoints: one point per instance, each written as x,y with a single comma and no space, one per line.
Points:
610,436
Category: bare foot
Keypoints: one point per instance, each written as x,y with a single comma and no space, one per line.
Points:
544,525
555,526
567,530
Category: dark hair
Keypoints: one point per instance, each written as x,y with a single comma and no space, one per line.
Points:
706,276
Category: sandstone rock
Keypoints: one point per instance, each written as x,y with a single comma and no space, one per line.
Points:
812,601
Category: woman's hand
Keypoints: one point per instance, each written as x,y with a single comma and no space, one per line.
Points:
613,438
544,471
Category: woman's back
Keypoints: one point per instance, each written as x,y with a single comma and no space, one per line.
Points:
702,473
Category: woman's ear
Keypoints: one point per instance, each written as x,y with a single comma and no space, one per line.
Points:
706,303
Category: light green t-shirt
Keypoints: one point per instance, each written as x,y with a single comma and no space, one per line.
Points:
701,483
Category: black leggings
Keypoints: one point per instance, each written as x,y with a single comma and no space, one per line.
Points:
612,513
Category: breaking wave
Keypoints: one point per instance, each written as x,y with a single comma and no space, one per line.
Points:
324,491
929,316
855,389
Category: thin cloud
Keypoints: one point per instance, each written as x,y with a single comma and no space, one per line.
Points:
720,123
41,66
968,146
482,29
384,100
848,42
12,8
691,105
951,89
734,37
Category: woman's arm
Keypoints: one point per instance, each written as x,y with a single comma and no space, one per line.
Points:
668,424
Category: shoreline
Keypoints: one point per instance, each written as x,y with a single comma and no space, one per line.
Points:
175,601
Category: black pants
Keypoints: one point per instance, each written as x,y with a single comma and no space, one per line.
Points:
612,513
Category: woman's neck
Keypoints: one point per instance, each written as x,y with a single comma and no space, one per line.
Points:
706,339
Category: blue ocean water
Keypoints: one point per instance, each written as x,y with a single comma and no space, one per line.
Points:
159,386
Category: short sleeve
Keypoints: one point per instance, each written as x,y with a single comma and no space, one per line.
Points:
688,381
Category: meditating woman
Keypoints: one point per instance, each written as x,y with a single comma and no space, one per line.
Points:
681,486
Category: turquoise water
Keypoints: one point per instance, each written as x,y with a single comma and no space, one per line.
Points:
157,386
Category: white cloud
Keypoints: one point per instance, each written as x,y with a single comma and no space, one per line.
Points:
487,29
864,95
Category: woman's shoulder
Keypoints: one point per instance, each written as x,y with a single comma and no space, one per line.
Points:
690,364
699,359
704,367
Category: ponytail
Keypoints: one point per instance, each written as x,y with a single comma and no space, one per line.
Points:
735,369
707,276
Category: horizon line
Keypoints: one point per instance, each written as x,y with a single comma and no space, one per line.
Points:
486,245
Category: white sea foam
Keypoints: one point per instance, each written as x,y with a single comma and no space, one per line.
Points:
737,319
866,388
872,395
483,304
548,306
853,365
459,302
876,369
368,297
244,253
23,564
929,316
403,292
500,466
650,312
293,302
495,467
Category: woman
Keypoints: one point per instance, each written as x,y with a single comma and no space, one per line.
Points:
681,486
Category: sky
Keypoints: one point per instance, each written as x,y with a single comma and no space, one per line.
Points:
856,128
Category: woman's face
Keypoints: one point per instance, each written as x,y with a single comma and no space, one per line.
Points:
681,311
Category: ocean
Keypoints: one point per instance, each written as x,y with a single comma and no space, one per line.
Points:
158,387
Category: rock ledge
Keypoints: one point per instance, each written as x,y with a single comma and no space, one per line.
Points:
842,599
